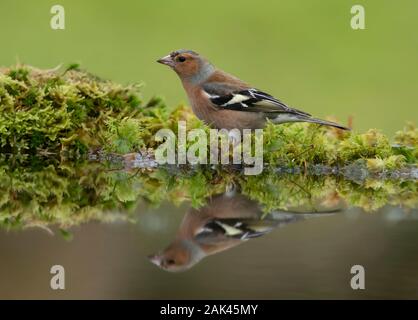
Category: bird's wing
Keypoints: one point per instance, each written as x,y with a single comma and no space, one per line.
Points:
218,230
250,100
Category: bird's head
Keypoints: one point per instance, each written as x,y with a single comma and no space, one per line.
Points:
179,256
189,65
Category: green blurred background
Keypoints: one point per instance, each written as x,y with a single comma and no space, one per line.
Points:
304,52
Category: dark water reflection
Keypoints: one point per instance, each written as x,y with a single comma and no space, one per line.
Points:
226,221
227,246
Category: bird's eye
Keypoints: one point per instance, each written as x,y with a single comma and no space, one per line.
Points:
181,59
170,262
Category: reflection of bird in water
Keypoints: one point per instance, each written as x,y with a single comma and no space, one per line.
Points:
226,221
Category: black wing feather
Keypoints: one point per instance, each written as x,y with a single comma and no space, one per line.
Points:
251,100
215,229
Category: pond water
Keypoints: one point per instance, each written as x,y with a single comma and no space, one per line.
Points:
148,234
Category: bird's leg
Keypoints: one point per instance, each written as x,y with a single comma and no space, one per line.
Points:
234,137
230,189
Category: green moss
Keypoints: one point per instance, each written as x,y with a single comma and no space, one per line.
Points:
408,136
390,163
71,111
372,144
124,135
49,119
54,112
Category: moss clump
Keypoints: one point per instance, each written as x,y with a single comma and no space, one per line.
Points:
391,162
71,111
53,111
300,144
408,136
48,114
372,144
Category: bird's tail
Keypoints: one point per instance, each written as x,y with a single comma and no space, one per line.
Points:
283,118
326,123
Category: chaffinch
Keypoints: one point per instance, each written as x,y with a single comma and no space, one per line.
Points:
226,221
224,101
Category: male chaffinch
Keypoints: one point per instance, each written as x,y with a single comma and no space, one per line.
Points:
226,221
224,101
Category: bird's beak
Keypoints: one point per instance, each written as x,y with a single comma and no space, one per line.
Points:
155,259
167,60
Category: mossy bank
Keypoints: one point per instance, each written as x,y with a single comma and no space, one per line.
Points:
67,111
54,122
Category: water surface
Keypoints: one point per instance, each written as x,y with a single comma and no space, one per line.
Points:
187,245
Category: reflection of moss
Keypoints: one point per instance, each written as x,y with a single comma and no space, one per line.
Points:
289,191
33,194
43,191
